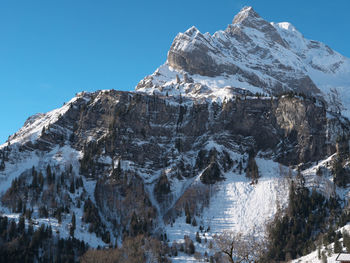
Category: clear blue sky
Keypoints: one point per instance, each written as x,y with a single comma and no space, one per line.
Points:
50,50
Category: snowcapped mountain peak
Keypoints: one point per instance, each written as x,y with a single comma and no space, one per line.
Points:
291,35
251,54
247,13
249,21
192,31
286,25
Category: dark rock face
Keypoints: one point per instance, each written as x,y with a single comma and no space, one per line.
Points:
149,129
143,128
304,126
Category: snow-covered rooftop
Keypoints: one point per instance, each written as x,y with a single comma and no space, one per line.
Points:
343,257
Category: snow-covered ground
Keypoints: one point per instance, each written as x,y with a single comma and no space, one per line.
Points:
62,229
331,257
235,205
60,158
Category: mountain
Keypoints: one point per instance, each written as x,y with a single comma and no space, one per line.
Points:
235,132
250,54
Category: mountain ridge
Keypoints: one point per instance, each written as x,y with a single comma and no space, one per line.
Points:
251,54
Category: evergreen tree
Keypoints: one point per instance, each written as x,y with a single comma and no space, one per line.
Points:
162,187
338,171
40,181
59,215
34,179
19,206
21,225
48,174
117,173
198,239
187,214
73,220
72,187
21,245
346,241
2,165
240,167
191,248
337,246
194,221
188,219
73,225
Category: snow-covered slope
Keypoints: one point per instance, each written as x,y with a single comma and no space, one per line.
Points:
38,123
328,251
251,54
60,158
238,205
21,158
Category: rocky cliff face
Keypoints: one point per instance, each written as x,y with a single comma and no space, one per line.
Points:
138,127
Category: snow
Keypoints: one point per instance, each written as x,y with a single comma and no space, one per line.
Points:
242,207
331,257
287,26
343,256
13,170
34,125
261,58
60,158
62,230
213,88
235,205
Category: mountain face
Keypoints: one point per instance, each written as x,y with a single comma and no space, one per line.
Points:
253,54
202,145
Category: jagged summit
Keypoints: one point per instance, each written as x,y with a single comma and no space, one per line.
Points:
250,54
192,30
246,14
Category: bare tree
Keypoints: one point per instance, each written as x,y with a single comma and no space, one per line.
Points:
239,248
